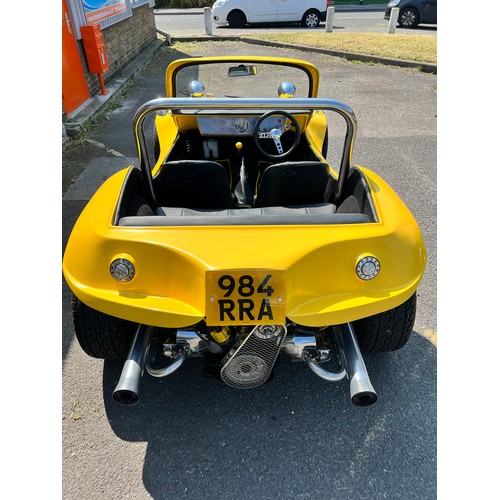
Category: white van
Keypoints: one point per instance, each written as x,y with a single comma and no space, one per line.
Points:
238,13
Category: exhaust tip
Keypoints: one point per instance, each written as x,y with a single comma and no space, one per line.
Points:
125,397
365,398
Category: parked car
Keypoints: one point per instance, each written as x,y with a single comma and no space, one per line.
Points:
413,12
239,13
234,240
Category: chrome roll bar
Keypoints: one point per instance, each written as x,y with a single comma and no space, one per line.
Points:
223,104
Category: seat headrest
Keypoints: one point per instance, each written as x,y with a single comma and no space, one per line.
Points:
194,184
292,183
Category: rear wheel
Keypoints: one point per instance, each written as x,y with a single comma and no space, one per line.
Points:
311,19
236,19
387,331
100,335
408,18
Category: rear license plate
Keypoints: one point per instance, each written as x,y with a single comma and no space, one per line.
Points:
245,297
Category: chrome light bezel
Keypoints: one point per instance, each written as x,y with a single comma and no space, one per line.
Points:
368,268
122,270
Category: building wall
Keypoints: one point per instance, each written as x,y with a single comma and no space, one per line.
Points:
123,41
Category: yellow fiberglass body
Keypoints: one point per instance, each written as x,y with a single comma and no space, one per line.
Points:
234,234
321,286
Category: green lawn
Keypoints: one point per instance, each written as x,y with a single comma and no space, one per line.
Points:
419,48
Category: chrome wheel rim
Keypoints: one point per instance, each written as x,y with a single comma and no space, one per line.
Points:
408,18
312,20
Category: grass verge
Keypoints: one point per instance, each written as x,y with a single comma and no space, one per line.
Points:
418,48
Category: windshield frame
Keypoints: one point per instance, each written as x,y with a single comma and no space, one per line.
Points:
309,69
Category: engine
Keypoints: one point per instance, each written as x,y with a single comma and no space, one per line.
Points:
244,357
250,361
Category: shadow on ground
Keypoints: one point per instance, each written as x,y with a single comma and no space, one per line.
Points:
262,443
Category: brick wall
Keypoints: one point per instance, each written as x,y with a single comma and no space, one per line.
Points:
123,41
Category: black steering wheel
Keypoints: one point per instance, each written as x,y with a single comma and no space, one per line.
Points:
274,131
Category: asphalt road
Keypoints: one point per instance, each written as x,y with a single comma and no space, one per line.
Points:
356,22
297,437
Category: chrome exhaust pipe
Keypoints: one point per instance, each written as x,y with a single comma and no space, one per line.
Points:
361,389
127,389
322,373
168,370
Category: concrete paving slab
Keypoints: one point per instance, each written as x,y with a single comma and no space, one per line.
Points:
97,171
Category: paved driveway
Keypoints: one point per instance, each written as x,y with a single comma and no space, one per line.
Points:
297,437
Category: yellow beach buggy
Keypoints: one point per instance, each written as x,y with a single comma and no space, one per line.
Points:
236,241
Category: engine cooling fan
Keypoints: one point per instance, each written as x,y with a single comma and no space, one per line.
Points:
251,363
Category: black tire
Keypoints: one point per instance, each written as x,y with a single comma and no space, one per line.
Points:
311,19
100,335
387,331
236,19
408,18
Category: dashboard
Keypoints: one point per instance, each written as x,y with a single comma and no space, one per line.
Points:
237,125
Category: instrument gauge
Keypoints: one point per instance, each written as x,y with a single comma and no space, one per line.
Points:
241,125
